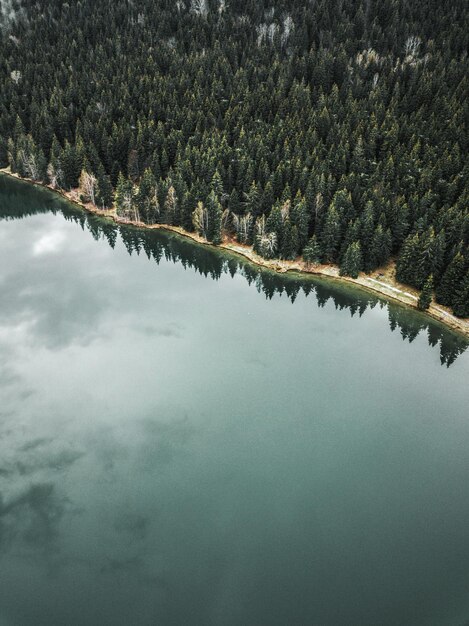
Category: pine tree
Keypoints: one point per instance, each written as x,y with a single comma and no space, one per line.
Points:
104,195
351,234
234,203
171,207
217,185
187,207
461,299
312,251
300,218
380,249
425,297
343,204
407,261
71,166
330,235
147,197
133,166
123,196
214,212
290,241
446,290
366,235
266,202
352,261
275,224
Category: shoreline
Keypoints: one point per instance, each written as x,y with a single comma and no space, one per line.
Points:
382,281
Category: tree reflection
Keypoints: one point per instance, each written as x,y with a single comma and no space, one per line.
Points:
208,262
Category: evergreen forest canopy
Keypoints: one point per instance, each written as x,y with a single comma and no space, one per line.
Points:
332,129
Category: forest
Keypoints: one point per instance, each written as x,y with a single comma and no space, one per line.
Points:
329,129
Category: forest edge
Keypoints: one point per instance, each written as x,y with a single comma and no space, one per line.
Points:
382,282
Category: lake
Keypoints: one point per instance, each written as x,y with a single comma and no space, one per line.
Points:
188,439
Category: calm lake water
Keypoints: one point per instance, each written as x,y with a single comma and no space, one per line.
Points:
187,440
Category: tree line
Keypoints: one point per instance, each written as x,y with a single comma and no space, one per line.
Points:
160,247
335,131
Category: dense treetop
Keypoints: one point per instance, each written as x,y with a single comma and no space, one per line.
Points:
332,129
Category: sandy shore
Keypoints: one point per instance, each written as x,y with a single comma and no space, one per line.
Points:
382,280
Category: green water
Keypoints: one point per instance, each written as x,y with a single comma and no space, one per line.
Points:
187,440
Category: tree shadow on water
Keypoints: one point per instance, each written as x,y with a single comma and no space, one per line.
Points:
209,262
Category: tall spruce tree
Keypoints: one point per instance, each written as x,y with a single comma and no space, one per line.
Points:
214,213
447,289
312,251
425,297
461,299
352,262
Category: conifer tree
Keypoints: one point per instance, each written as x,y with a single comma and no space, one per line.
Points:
300,218
446,290
171,208
425,297
71,165
461,299
407,261
329,235
253,199
104,194
214,212
380,249
312,251
124,196
147,197
217,185
234,203
352,262
290,241
275,224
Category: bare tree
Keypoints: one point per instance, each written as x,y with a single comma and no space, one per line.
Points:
272,31
200,219
288,27
55,175
225,217
30,164
412,46
260,226
15,76
242,225
199,7
87,184
126,202
170,205
266,32
267,244
318,204
261,33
